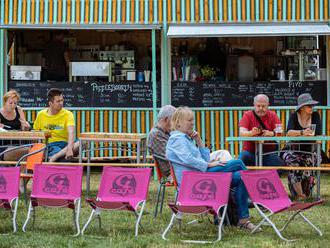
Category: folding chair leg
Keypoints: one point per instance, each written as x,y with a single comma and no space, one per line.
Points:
28,217
162,200
311,224
99,219
219,230
224,214
289,221
33,217
266,218
14,215
139,219
168,227
157,200
25,191
176,196
88,221
76,217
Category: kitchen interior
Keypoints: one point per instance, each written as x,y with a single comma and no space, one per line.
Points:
94,55
249,59
125,55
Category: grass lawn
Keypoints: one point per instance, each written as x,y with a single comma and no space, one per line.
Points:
53,228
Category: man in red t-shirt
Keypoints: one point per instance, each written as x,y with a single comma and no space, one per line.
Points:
251,126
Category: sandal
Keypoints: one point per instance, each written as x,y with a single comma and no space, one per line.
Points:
249,226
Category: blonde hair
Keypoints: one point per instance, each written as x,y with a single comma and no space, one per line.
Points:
10,94
179,115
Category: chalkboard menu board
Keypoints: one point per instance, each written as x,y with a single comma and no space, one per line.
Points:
87,94
222,94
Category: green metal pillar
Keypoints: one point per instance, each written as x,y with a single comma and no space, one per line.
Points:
154,80
165,84
328,68
3,62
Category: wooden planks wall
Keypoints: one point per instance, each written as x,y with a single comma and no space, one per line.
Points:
214,125
151,11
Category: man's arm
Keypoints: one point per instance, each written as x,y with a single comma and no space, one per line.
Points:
69,151
244,132
36,124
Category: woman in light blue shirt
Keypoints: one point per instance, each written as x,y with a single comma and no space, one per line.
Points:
186,151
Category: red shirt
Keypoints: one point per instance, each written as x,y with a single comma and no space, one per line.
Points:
249,121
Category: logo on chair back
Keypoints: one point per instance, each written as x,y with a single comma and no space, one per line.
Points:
204,190
266,189
124,185
57,184
3,184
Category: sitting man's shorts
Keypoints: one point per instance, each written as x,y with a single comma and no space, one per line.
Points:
55,147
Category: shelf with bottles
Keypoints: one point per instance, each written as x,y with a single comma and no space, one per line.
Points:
296,52
303,63
301,42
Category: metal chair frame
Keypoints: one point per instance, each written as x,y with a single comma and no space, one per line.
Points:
163,184
96,213
76,213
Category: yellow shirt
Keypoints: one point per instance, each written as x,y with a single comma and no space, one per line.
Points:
57,124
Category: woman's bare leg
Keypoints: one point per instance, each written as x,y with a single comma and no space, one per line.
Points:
298,188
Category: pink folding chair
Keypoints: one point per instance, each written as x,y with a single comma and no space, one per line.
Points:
266,189
9,190
202,193
56,186
121,189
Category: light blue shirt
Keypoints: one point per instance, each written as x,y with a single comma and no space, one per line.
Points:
184,155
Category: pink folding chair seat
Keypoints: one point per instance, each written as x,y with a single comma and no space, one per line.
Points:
266,189
121,189
9,190
110,205
5,204
200,193
47,202
56,186
192,209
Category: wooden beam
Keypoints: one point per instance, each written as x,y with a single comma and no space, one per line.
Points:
85,164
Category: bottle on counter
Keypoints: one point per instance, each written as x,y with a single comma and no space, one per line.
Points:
290,75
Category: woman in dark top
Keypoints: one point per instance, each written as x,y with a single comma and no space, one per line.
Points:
12,118
14,124
300,124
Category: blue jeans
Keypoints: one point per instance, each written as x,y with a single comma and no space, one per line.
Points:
240,193
249,158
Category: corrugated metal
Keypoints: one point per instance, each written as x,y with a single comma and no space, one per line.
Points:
15,12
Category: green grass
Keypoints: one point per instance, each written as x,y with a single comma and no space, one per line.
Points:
54,228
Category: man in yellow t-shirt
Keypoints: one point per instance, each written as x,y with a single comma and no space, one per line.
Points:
60,123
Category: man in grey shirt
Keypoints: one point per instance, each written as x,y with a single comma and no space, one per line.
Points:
158,137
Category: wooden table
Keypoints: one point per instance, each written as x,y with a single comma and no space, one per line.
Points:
260,141
132,138
31,136
23,135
